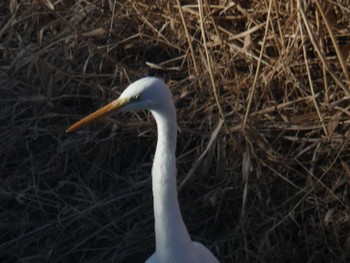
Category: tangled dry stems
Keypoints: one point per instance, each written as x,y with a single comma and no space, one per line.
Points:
273,181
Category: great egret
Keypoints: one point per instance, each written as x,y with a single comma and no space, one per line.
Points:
173,243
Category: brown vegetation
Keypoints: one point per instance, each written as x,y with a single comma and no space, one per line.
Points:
272,184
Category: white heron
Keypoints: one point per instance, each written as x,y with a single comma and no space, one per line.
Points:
173,243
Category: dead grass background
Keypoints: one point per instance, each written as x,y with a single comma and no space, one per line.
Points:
272,185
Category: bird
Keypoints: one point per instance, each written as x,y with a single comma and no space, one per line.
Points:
173,242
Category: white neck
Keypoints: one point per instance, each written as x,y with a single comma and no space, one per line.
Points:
170,230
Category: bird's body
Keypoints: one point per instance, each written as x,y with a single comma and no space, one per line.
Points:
173,243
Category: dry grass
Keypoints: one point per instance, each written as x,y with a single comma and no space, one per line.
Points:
272,185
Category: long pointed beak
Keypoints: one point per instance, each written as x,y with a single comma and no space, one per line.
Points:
105,111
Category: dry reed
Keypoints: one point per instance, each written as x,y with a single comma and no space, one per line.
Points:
271,182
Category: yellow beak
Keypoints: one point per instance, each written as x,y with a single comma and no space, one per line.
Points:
106,110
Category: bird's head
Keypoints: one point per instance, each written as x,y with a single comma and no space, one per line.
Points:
146,93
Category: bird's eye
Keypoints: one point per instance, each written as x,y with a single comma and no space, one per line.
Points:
136,98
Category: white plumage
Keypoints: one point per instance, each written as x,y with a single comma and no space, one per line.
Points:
173,243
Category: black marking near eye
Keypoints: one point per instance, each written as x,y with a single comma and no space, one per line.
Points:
135,98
